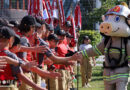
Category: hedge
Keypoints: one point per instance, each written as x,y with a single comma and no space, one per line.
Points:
92,34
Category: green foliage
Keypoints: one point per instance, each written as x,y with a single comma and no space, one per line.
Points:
92,34
97,71
129,86
106,5
95,15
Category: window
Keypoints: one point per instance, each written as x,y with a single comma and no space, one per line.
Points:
20,4
6,4
14,4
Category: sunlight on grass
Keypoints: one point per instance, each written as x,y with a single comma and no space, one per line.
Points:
97,80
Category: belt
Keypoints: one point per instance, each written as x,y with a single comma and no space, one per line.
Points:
7,82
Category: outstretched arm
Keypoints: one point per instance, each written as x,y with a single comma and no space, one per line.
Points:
60,60
9,60
22,77
25,65
45,74
96,50
37,49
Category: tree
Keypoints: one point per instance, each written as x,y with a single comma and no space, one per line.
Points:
95,15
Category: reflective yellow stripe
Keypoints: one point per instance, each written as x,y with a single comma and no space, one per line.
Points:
117,75
105,49
86,54
109,79
83,53
128,58
113,77
96,50
114,51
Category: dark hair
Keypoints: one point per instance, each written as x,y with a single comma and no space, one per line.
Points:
85,38
26,23
24,28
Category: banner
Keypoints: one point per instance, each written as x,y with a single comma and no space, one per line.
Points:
55,13
61,12
78,17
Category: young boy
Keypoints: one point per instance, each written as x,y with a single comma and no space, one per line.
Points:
11,73
52,84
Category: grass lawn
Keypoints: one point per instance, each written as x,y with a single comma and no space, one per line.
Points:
97,81
95,85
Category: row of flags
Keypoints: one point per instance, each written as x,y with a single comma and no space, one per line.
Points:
54,13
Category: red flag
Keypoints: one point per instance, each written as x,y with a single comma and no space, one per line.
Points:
34,7
29,7
78,17
48,5
72,30
40,14
45,12
55,13
62,16
54,10
48,8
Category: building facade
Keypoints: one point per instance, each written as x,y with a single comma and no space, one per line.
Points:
13,9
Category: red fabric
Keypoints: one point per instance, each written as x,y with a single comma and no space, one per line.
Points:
54,9
7,74
18,33
78,17
73,43
29,7
72,30
65,41
62,51
48,7
35,8
45,9
29,56
55,13
62,16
